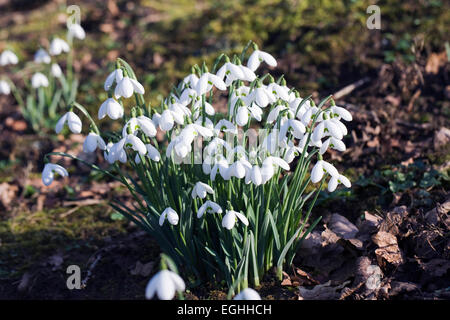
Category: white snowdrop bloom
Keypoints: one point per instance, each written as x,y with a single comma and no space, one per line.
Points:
200,190
216,145
4,87
171,216
207,81
41,56
142,123
230,72
48,174
292,151
298,129
256,176
319,168
8,57
76,31
112,108
191,80
225,126
58,46
259,56
330,126
209,109
240,168
168,119
275,112
249,75
269,165
117,151
262,96
247,294
73,121
93,141
188,95
206,165
152,153
309,114
39,80
278,91
116,76
242,116
221,165
165,284
127,86
341,112
208,207
333,143
335,180
294,106
106,153
56,70
155,118
230,219
256,112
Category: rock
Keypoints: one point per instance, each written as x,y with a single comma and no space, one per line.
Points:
342,227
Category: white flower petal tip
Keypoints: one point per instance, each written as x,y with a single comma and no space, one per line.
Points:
111,108
164,284
73,121
76,31
201,189
247,294
8,57
231,217
39,80
171,216
48,174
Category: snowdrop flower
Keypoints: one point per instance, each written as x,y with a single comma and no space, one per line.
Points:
331,127
256,176
209,109
281,92
117,151
126,86
298,129
249,75
240,168
230,219
216,146
208,207
73,121
152,153
319,168
225,126
58,46
39,80
247,294
292,151
335,180
112,108
230,72
165,284
171,215
8,57
93,141
191,80
49,171
142,123
206,82
222,167
106,153
341,112
242,115
308,115
41,56
168,119
76,31
4,87
269,165
56,70
333,143
200,190
259,56
262,96
116,76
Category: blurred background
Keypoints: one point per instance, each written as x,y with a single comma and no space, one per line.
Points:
394,80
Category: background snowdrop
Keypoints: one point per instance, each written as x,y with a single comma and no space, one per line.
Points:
8,57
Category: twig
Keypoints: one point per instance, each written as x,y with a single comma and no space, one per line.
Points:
348,89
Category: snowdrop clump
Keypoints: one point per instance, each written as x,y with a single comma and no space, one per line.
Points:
49,88
224,194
